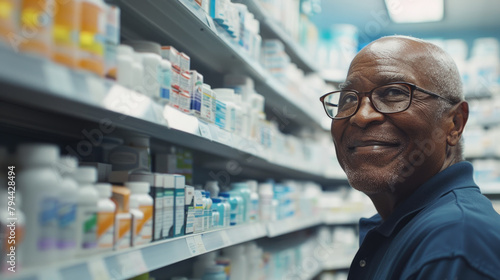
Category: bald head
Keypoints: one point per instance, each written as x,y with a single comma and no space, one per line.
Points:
426,60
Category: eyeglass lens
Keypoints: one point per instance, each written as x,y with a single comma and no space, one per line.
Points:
386,99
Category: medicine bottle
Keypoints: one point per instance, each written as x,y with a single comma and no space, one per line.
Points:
88,198
105,217
140,192
67,208
40,190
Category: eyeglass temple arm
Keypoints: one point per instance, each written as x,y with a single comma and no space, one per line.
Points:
433,94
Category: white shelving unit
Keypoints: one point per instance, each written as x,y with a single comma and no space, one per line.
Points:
131,262
185,25
281,227
134,261
51,97
272,29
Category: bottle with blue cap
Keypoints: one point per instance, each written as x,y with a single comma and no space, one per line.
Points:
208,211
219,207
225,197
236,202
242,189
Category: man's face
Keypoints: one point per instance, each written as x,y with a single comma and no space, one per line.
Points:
381,152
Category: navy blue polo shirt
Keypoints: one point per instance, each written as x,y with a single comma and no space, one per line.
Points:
445,230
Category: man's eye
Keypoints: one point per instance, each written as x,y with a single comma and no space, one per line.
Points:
394,93
348,98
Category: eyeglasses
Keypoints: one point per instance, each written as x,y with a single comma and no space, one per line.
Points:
386,99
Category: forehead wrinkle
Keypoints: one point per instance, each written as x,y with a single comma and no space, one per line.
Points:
384,76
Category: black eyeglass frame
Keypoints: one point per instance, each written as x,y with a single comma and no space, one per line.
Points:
369,94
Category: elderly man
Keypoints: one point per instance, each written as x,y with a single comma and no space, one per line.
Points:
397,124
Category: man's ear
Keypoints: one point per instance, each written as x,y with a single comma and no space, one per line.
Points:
459,116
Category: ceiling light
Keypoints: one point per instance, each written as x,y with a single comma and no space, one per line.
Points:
412,11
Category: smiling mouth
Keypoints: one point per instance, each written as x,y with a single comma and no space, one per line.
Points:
371,145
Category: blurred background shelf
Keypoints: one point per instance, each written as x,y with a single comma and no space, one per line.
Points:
182,23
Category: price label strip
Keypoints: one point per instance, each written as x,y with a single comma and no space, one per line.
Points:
205,131
199,244
132,263
59,79
98,269
225,238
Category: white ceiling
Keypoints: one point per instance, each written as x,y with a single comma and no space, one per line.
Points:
462,18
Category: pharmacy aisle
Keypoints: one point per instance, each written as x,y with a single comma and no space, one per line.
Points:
123,161
179,139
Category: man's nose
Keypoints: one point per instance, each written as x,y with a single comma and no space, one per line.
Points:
366,114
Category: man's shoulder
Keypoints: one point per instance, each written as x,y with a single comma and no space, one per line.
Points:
463,209
460,225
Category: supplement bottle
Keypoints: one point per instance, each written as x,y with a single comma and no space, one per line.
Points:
67,208
35,18
88,198
92,36
137,222
9,20
106,209
123,218
140,192
65,32
124,61
39,181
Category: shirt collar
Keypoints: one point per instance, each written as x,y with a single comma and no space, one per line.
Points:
454,177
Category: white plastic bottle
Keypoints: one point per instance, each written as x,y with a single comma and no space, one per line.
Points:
220,207
67,208
266,201
244,191
225,196
213,188
139,191
105,217
38,182
254,200
137,220
215,218
123,226
234,203
125,60
239,262
199,211
86,176
208,211
137,74
151,63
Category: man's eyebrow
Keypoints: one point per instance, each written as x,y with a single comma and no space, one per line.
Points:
344,85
